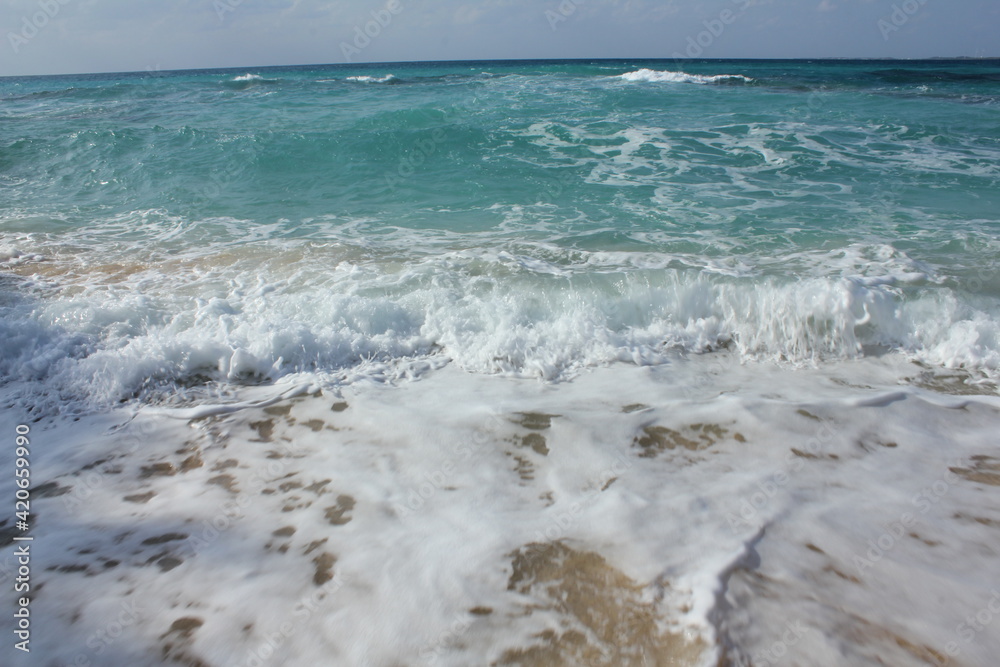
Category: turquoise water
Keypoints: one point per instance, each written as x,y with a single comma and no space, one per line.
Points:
528,218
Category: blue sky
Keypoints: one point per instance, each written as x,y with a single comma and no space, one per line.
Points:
72,36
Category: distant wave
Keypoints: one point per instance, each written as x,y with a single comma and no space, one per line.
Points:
99,92
388,78
392,79
248,81
916,76
660,76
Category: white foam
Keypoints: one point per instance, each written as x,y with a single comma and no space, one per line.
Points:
116,320
248,77
656,156
11,256
437,475
663,76
388,78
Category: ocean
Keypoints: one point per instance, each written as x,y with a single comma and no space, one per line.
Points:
504,363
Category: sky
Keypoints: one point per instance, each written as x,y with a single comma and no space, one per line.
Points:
79,36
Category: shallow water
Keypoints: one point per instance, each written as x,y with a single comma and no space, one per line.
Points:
632,516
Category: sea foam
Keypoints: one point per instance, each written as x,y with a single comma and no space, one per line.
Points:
388,78
509,312
666,76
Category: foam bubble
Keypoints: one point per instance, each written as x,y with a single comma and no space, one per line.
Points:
664,76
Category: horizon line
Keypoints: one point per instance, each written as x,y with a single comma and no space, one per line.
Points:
503,60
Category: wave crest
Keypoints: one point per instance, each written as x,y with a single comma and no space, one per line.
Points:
494,314
666,76
388,78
